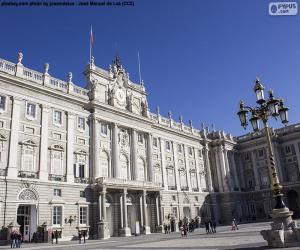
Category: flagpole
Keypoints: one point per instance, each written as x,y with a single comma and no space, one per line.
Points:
91,44
139,67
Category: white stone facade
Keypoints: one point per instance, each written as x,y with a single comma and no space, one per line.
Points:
98,160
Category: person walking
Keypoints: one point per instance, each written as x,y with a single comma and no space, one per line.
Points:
84,235
169,228
79,237
214,226
235,224
56,237
52,237
18,240
12,240
181,231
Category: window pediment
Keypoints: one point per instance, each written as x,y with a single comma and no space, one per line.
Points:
29,143
56,147
81,152
3,137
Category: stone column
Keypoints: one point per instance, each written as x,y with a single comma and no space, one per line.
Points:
95,146
146,222
125,231
141,210
103,204
163,164
103,229
176,166
228,172
70,148
134,167
149,157
297,154
207,168
44,143
224,173
116,153
121,211
257,185
219,170
187,167
241,171
12,171
197,171
236,179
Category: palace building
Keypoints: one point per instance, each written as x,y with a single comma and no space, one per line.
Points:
96,159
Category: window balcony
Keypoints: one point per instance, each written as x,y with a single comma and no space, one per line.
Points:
28,174
184,188
172,188
195,190
82,180
2,172
134,184
53,177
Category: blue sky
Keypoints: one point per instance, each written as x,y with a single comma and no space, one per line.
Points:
198,58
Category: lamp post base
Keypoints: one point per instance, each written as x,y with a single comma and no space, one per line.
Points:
283,232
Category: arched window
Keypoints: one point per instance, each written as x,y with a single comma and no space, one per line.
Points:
124,167
141,169
104,164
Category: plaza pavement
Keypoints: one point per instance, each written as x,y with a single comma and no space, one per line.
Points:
247,237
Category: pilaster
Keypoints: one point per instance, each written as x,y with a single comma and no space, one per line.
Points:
149,157
70,148
43,174
207,168
116,153
95,146
12,171
187,167
197,171
175,151
134,168
163,164
146,223
218,169
255,171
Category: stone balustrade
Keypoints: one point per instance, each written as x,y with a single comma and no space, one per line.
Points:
117,183
39,78
28,174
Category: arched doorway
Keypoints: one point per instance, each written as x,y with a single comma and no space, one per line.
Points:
27,213
292,197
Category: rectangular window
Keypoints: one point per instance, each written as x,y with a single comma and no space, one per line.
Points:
179,148
28,160
57,162
31,110
190,151
174,211
81,170
173,197
57,214
140,138
246,156
168,145
81,123
103,128
57,192
260,153
155,143
288,149
83,215
2,102
200,153
57,117
82,194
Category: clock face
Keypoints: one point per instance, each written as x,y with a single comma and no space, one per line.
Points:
120,95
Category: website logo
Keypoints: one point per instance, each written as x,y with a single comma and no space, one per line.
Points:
283,8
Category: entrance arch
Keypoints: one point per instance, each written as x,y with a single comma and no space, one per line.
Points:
292,197
27,213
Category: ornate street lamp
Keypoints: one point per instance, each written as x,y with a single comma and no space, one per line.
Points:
272,107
